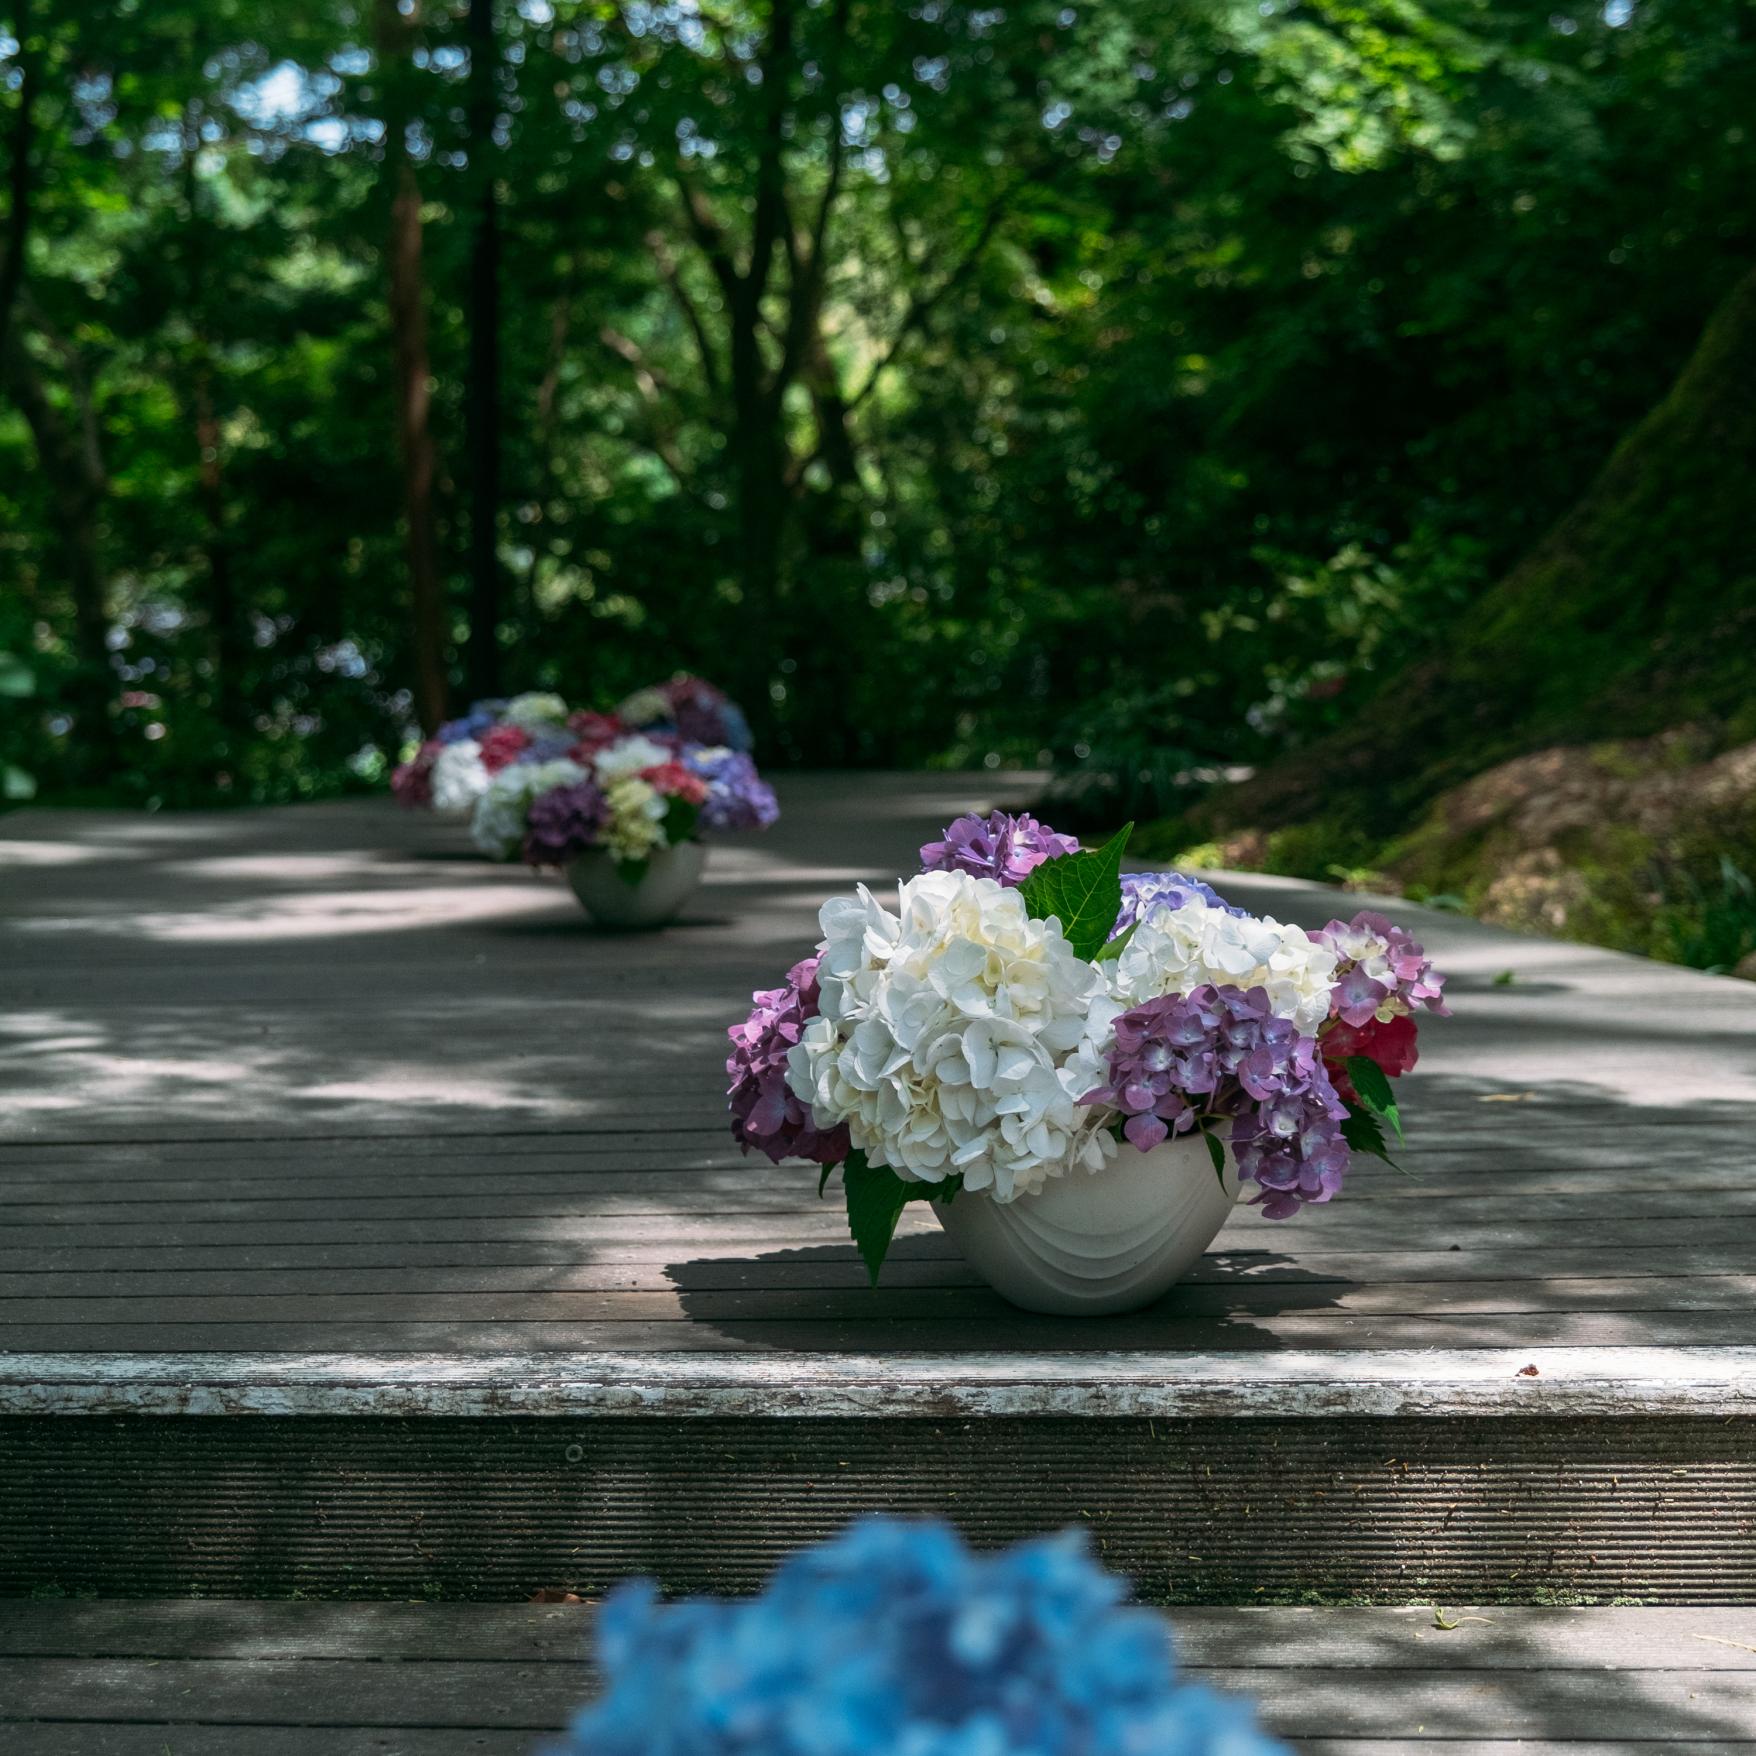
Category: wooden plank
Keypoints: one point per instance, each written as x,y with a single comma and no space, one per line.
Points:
614,1188
1498,1637
1714,1384
790,1226
1003,1331
920,1258
1701,1190
1651,1706
820,1288
179,1738
313,1677
679,1296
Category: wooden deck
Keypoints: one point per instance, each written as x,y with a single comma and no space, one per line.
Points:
253,1679
310,1121
313,1082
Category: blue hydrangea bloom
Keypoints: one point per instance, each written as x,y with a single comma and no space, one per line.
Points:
1142,892
893,1639
483,716
738,797
547,747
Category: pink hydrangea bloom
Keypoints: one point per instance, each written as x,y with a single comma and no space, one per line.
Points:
412,783
1389,1042
503,745
1382,972
594,731
676,782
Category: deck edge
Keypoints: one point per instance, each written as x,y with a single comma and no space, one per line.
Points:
1711,1383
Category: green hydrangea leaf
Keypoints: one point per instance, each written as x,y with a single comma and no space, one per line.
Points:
631,871
1082,891
1113,948
1217,1152
1362,1134
1374,1089
680,819
876,1197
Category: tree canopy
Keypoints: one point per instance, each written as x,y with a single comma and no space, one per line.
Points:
1136,384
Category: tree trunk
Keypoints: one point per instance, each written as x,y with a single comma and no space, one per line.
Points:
228,649
763,501
73,471
413,375
484,362
18,172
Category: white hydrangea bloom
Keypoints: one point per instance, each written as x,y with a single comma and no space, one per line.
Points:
498,825
535,711
625,757
1174,950
644,707
950,1037
635,827
459,778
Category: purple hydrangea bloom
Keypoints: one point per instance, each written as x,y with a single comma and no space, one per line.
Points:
1142,892
737,796
996,846
563,822
1223,1055
1305,1166
1381,967
765,1113
894,1637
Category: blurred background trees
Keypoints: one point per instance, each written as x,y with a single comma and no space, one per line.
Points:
1154,388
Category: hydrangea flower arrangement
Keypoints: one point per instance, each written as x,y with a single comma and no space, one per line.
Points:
630,794
1026,1011
893,1639
453,768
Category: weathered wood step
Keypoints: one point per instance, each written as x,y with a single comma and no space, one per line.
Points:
260,1679
1601,1475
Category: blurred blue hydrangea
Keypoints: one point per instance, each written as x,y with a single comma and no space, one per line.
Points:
895,1640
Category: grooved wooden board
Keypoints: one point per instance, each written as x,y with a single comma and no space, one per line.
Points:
225,1678
312,1081
1194,1507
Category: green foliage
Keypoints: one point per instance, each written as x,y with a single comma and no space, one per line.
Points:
1373,1086
1082,891
1127,386
1217,1152
1363,1133
876,1197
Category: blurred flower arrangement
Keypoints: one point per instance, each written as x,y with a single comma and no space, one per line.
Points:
1026,1011
893,1639
452,770
629,794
